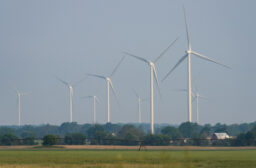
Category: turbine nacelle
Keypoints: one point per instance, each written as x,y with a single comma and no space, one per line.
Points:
108,79
188,51
151,64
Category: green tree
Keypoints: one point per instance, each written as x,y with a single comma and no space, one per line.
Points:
6,130
172,132
9,139
26,134
30,140
68,127
206,131
250,138
130,129
187,129
97,134
220,128
74,139
156,140
49,140
253,130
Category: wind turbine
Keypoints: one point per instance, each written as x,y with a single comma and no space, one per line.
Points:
19,96
70,87
139,105
109,84
190,52
95,100
197,96
153,75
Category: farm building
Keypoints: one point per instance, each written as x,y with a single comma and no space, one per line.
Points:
222,135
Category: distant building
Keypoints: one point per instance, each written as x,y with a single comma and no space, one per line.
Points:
222,135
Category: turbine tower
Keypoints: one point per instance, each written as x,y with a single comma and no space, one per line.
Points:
70,87
197,96
19,96
190,52
153,75
139,105
109,85
95,100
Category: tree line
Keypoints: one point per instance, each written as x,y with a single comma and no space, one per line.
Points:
128,134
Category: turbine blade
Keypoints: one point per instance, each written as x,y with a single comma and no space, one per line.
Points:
155,74
62,81
181,90
24,94
97,76
135,56
86,97
97,99
177,64
117,66
187,30
193,94
17,91
114,92
80,81
135,93
203,97
161,55
196,88
209,59
145,99
185,90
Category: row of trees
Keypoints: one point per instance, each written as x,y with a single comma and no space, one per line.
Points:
246,139
130,135
116,134
11,139
67,128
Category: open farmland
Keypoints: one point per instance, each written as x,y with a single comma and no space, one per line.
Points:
37,158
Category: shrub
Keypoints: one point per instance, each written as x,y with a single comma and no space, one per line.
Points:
49,140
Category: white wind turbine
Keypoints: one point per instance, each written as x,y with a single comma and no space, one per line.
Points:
70,87
139,105
153,75
197,96
95,100
19,96
109,84
190,52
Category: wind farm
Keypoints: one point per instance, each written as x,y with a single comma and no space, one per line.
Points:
132,74
171,49
106,78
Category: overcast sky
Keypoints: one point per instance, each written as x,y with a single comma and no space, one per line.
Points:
41,39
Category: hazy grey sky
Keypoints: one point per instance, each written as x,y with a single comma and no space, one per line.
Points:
40,39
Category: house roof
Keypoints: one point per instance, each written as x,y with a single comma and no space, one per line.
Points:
222,135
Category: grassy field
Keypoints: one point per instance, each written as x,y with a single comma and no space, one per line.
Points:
39,158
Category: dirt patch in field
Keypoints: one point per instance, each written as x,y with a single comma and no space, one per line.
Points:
16,147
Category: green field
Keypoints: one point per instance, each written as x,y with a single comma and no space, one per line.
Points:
120,158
